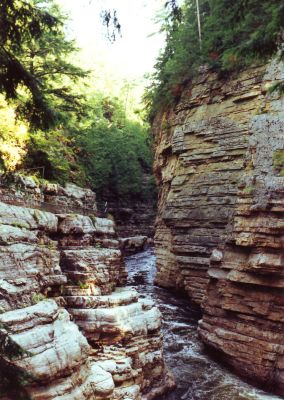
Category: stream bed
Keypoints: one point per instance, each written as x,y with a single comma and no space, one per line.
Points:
197,375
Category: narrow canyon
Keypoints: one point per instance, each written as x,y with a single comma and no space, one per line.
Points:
74,326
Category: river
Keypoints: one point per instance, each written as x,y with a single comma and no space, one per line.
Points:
197,375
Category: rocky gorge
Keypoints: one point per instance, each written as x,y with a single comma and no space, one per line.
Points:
70,328
219,167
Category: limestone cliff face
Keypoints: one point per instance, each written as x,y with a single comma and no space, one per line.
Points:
134,219
244,304
218,165
69,328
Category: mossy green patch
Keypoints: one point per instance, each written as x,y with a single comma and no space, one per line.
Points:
278,161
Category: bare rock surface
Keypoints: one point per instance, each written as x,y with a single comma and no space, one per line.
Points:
29,191
133,244
219,163
69,329
199,160
76,224
244,306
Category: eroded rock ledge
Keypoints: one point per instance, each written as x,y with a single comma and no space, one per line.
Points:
219,162
69,328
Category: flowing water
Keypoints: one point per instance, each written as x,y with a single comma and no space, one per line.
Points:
198,376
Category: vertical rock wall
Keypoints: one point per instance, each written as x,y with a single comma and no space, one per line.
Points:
199,160
134,219
220,165
244,305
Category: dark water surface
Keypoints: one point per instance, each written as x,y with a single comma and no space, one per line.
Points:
198,376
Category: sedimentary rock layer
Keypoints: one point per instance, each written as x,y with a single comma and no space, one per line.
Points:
31,192
69,329
244,305
220,165
133,219
200,157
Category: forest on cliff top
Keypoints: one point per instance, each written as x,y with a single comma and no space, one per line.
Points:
223,35
53,118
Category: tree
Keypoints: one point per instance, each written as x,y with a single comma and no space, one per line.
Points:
35,67
234,35
115,151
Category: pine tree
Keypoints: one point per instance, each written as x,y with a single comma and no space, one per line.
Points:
34,61
234,34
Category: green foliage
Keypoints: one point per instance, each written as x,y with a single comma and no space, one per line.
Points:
54,151
35,67
83,285
13,137
278,161
107,151
278,87
93,218
48,125
249,189
37,297
234,34
115,151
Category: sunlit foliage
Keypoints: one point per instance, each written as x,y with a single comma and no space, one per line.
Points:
14,137
54,124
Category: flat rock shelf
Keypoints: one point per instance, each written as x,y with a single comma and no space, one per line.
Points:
198,375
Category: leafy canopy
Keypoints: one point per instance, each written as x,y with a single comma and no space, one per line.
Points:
49,121
115,151
35,66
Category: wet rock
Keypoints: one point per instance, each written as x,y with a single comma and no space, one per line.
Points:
133,244
174,347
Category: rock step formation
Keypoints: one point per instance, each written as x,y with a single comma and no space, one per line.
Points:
133,218
29,191
200,149
69,329
134,244
220,164
244,305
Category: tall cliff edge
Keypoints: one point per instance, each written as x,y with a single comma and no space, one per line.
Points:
219,161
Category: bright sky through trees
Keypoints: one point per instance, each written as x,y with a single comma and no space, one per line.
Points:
131,56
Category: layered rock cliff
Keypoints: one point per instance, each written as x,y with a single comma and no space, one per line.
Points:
69,328
134,219
219,164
